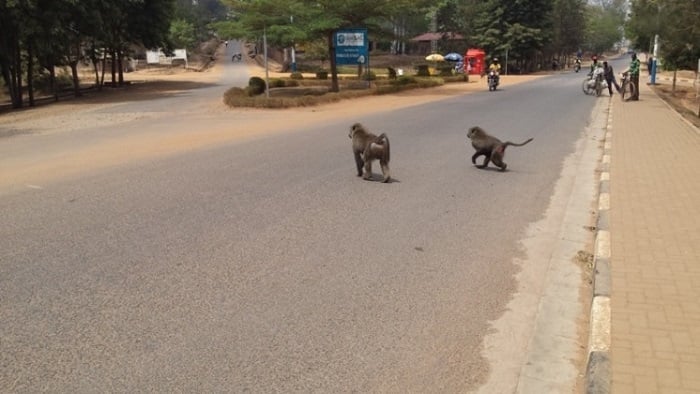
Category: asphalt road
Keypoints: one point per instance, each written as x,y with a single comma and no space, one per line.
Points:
266,265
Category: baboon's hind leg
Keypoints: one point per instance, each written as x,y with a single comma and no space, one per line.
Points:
368,170
498,161
385,170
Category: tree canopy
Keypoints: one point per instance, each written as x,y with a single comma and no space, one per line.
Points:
676,24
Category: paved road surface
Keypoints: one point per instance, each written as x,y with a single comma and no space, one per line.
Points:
265,265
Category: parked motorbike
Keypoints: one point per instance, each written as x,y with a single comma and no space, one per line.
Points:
493,78
594,84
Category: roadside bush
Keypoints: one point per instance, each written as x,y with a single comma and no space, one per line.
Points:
256,86
296,75
445,70
277,83
403,80
322,74
312,95
369,76
422,70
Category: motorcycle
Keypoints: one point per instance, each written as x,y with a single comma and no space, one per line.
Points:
594,84
577,66
493,80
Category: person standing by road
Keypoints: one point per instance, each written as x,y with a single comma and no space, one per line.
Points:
633,71
609,75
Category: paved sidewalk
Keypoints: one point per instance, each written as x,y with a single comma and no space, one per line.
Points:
654,222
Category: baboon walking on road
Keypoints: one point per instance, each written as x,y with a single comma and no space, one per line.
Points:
368,147
489,146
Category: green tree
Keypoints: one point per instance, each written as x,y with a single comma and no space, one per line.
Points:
182,34
676,23
521,28
568,26
603,29
312,19
10,49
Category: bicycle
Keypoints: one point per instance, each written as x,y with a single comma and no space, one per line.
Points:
625,86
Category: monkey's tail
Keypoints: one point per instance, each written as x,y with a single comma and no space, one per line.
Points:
514,144
385,141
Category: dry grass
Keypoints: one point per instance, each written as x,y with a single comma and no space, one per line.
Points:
684,100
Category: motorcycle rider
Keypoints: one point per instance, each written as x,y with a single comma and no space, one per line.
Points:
495,66
597,75
594,64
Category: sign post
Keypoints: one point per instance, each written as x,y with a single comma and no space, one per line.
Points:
351,46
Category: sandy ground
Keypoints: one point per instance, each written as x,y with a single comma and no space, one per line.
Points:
71,113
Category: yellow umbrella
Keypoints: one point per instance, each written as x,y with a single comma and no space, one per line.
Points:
435,57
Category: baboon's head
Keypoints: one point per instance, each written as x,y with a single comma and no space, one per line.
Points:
473,131
355,127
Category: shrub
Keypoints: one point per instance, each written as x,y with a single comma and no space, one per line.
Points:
422,70
277,83
291,83
296,75
404,80
322,74
445,70
369,76
256,86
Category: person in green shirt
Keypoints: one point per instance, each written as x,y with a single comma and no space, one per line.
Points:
633,71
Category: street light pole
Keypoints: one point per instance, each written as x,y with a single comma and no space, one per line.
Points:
267,75
652,72
294,60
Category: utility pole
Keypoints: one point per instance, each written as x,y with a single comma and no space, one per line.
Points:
652,72
294,60
267,74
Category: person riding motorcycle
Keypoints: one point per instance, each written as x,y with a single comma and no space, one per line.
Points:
594,64
495,67
577,64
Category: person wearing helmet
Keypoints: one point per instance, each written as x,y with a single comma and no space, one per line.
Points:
495,66
594,63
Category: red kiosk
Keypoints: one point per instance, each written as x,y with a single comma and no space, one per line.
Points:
475,57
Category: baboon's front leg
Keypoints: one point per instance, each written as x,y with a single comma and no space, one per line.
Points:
359,163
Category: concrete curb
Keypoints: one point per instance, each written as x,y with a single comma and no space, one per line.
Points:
598,366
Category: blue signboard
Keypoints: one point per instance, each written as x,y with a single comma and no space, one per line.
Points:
351,46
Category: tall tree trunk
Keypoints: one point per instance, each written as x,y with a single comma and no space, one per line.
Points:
120,59
18,102
95,61
114,68
104,67
76,80
30,73
334,66
52,81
